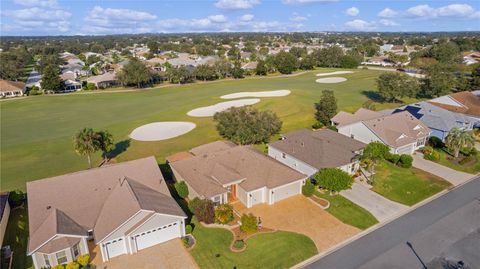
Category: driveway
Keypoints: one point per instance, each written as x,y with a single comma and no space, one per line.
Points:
299,214
379,206
453,176
170,254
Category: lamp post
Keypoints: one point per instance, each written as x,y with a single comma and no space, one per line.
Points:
418,257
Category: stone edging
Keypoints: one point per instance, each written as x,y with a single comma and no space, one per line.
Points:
322,207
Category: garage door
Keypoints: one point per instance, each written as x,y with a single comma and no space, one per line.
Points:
286,191
256,197
405,150
115,247
158,235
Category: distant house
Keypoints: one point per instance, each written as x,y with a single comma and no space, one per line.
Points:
439,120
249,66
70,82
76,69
402,132
379,60
308,151
120,208
104,80
386,48
4,214
465,103
224,173
11,88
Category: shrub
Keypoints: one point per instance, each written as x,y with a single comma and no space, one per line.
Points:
405,161
249,223
16,198
393,158
466,160
182,189
238,244
308,189
73,265
376,151
203,210
83,260
185,242
333,128
34,91
223,214
60,266
433,156
436,142
427,150
188,229
469,151
317,125
333,179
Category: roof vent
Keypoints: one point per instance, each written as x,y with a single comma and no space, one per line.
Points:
48,207
303,144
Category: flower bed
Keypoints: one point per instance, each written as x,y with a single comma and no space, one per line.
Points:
324,204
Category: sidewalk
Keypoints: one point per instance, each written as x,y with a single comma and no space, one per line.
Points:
453,176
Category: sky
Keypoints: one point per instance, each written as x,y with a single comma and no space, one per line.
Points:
103,17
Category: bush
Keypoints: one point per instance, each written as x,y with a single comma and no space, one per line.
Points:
466,160
16,198
182,189
223,214
83,260
469,151
73,265
393,158
317,125
405,161
188,229
333,179
34,91
376,151
185,242
238,244
249,223
433,156
308,189
60,266
427,150
436,142
333,128
203,209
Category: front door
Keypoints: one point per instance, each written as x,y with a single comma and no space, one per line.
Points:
232,193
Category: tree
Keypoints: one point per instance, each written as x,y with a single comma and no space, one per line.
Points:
329,57
51,81
285,62
135,73
333,179
393,86
223,214
237,71
105,143
86,143
375,151
261,69
178,74
307,63
458,139
203,209
439,81
205,72
308,189
249,224
326,108
247,125
223,67
152,46
446,53
475,81
348,61
182,189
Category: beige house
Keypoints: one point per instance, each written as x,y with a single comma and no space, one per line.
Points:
104,80
11,88
120,208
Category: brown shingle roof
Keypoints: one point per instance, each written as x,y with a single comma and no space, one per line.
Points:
344,118
7,85
212,147
59,244
179,156
470,102
319,149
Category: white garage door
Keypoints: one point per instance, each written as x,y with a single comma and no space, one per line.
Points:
256,197
405,150
158,235
286,191
115,247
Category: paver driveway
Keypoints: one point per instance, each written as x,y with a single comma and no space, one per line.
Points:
170,254
453,176
379,206
300,215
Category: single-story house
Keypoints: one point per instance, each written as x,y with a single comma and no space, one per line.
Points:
224,173
70,83
250,66
10,88
464,102
402,132
122,208
439,120
4,214
308,151
104,80
379,60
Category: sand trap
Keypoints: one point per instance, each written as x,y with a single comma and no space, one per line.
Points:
334,73
161,130
256,94
208,111
331,80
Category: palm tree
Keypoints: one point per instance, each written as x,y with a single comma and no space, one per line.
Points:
86,143
458,139
105,143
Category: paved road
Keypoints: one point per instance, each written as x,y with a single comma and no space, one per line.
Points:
453,176
381,207
456,214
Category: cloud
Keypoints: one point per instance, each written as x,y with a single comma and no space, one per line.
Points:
360,25
236,4
37,20
37,3
297,18
247,17
217,18
386,22
453,10
303,2
353,11
387,13
110,20
421,11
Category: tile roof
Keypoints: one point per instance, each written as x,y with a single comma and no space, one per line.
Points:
470,103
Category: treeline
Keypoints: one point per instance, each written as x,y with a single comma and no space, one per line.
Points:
13,63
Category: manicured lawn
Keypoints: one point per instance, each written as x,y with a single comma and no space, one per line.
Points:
275,250
406,185
471,168
348,212
16,235
37,132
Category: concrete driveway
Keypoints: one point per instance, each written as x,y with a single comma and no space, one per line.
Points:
379,206
453,176
300,215
170,254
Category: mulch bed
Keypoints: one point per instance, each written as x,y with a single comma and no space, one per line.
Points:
320,201
239,235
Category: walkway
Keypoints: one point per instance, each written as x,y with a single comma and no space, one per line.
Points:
453,176
379,206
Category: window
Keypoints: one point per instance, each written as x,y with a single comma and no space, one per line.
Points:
61,257
76,251
47,261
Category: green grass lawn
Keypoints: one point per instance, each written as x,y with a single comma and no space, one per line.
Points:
37,132
348,212
406,185
468,168
275,250
16,235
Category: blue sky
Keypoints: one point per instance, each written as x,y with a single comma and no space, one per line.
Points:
72,17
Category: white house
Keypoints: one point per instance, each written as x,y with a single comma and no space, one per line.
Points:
11,88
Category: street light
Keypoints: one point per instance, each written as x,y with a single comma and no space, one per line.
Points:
418,257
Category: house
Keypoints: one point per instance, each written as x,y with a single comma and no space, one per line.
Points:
119,208
4,214
309,151
402,132
465,102
11,88
439,120
76,69
104,80
70,82
224,173
379,60
249,66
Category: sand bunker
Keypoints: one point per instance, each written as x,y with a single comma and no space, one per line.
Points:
161,130
334,73
208,111
256,94
331,80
